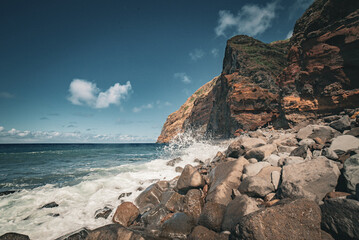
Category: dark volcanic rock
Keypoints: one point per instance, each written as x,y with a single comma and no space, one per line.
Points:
14,236
340,217
80,234
155,216
4,193
193,204
298,219
50,205
151,196
190,178
172,201
351,172
341,124
178,226
200,233
125,214
212,215
113,231
103,213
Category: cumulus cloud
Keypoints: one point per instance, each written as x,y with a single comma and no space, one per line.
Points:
85,92
139,109
6,95
16,136
289,35
183,77
251,20
196,54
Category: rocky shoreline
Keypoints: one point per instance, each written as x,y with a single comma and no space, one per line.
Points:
299,183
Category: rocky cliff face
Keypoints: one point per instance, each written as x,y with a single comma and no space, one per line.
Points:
244,96
323,61
263,83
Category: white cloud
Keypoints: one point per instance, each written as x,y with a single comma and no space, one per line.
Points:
6,95
139,109
16,136
1,128
183,77
214,52
250,20
196,54
289,35
85,92
168,104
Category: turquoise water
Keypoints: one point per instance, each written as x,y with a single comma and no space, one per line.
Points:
27,166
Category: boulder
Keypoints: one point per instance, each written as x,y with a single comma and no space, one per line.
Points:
300,151
151,196
219,157
291,160
125,214
261,152
50,205
341,124
223,178
336,195
273,160
331,118
172,201
329,153
103,213
354,132
351,173
298,219
310,179
275,179
114,231
307,142
193,204
174,161
236,209
200,233
259,185
212,215
325,133
344,143
254,169
340,217
190,178
155,216
14,236
177,227
80,234
238,147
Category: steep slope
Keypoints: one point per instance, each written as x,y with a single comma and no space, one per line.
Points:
244,96
323,61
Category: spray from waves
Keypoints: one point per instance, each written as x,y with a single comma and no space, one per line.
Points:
20,212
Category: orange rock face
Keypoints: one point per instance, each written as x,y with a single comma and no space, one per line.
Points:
323,61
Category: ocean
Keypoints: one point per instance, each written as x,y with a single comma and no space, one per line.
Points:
81,179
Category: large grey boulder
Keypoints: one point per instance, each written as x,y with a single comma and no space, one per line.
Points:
341,124
310,179
325,133
236,209
223,178
259,185
193,204
241,145
351,172
212,216
114,231
340,217
254,168
125,214
296,220
173,201
344,143
151,196
177,227
203,233
190,178
261,152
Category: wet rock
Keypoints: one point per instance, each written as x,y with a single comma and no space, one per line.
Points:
255,168
122,195
193,204
261,152
223,178
125,214
236,209
14,236
114,231
341,124
340,217
103,213
4,193
212,215
80,234
174,161
298,219
310,179
151,196
351,172
190,178
200,233
178,226
344,143
50,205
155,216
238,147
172,201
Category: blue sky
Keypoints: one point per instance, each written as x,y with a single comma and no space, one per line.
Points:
112,71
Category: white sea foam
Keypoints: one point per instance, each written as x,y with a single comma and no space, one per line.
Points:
19,212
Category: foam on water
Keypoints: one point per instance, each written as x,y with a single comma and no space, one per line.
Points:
19,212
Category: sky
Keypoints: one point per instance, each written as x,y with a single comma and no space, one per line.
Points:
112,71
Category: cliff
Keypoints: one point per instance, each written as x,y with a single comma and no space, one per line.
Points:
281,83
323,61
